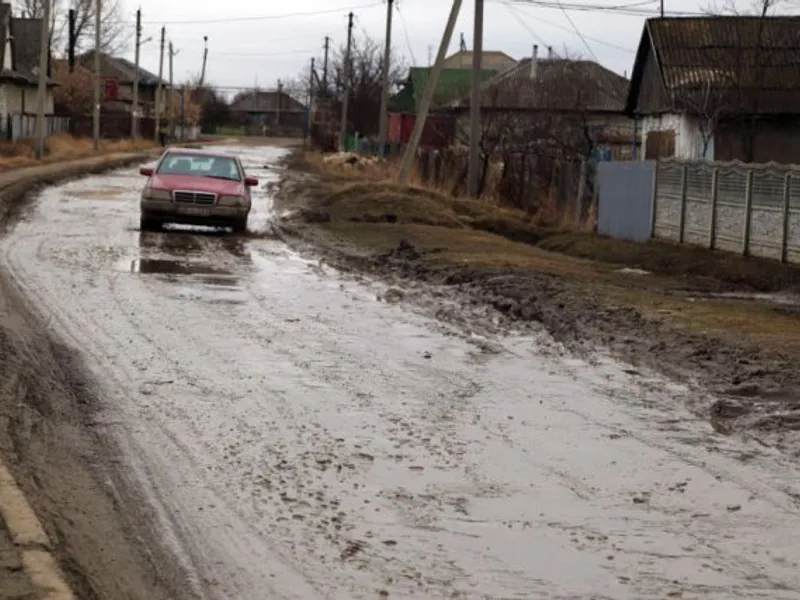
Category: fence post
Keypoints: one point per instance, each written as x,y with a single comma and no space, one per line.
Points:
712,228
576,224
748,212
654,199
787,187
682,214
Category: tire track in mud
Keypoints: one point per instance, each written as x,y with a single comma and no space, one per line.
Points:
299,429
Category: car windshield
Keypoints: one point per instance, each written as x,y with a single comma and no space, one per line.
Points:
223,167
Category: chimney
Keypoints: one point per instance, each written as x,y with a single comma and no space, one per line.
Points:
549,52
534,60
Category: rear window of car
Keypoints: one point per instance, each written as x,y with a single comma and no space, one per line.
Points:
176,163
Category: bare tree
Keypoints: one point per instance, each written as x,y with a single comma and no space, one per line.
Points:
116,30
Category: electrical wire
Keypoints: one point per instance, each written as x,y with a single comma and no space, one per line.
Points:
270,17
405,34
578,32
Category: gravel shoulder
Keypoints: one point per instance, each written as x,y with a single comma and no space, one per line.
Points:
728,323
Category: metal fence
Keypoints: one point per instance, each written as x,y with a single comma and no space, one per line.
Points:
752,209
15,127
625,199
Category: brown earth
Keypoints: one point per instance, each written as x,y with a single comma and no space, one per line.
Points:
729,322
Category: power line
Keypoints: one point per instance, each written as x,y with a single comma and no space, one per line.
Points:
271,17
405,34
631,10
578,31
265,54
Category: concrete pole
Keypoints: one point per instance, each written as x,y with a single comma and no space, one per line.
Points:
135,111
96,120
44,52
159,86
325,64
346,99
427,97
170,104
473,172
383,124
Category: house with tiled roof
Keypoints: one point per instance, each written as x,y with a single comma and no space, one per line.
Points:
545,97
19,77
718,88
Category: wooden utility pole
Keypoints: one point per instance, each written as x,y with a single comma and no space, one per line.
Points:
159,85
278,104
427,96
205,58
473,171
71,20
383,124
135,111
346,99
96,120
325,64
44,59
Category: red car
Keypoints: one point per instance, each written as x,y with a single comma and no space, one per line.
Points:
196,187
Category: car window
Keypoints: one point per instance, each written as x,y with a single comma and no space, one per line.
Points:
175,163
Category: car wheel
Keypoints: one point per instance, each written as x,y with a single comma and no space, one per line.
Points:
148,224
240,225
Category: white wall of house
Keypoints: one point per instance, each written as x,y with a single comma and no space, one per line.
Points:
688,139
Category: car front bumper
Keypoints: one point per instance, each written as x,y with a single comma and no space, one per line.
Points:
192,214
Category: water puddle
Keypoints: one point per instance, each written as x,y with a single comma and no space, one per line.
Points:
162,266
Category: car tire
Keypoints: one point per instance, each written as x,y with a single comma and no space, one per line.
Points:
239,225
148,224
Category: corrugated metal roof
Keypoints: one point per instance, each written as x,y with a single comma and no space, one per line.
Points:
736,53
558,84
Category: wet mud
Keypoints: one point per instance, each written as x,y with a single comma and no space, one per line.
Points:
273,427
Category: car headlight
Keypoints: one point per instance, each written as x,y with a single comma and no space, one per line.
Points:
231,201
156,194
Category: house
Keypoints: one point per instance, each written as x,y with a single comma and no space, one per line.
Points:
118,78
577,103
404,105
491,60
718,88
270,109
19,77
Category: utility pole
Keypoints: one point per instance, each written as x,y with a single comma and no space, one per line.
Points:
346,99
44,59
383,124
307,137
96,120
427,96
171,105
278,105
159,86
205,58
71,40
662,9
135,111
475,103
325,64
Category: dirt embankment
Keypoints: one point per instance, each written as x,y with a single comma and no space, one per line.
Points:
47,440
732,323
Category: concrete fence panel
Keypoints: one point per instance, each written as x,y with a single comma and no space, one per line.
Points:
751,209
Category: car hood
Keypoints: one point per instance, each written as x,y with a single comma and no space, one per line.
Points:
197,184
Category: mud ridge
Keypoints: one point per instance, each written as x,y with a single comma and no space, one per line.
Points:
769,409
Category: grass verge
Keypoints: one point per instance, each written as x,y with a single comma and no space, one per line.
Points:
687,289
20,153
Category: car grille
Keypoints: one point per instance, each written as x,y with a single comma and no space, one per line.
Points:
194,197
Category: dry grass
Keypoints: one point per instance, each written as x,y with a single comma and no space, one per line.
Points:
20,153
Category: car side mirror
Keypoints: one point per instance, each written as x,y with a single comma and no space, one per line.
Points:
146,171
250,181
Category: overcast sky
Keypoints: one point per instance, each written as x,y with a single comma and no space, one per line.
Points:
254,42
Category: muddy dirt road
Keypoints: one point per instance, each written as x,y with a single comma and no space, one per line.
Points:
290,435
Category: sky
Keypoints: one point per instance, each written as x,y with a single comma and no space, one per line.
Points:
253,42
